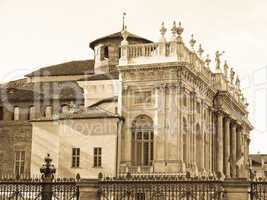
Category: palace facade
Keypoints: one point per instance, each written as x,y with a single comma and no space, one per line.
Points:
139,106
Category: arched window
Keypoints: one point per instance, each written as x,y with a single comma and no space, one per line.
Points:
142,141
16,113
184,139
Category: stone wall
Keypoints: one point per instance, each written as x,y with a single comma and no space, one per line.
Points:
14,136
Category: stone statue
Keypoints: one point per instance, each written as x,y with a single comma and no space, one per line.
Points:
237,82
225,69
217,59
162,32
232,75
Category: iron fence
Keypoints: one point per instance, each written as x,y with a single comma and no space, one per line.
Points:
258,190
37,189
160,188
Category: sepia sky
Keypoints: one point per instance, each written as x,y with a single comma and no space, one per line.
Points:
36,33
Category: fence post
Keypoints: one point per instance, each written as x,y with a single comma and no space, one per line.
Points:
88,189
47,170
236,189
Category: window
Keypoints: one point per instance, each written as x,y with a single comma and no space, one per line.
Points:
1,113
75,157
142,97
106,53
142,141
48,112
140,196
265,173
31,113
64,108
119,52
16,113
97,157
19,162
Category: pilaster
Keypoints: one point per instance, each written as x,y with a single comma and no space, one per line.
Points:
227,147
220,143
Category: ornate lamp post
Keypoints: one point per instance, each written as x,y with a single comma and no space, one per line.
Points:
47,170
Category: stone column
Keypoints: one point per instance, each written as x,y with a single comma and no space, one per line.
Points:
127,134
203,138
240,154
233,150
210,140
179,126
171,136
227,147
220,142
160,130
189,126
191,132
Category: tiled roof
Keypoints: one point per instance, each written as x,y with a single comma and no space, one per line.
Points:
67,90
118,36
18,95
80,67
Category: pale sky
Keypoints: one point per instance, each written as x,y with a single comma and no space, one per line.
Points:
37,33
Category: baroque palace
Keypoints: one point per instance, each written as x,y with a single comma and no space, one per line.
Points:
139,106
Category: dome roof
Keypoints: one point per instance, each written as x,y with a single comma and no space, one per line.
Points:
118,36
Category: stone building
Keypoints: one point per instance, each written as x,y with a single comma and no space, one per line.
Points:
258,163
139,107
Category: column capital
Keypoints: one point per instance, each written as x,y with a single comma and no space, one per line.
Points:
219,112
234,124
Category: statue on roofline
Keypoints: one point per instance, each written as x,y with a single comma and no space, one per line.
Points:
217,59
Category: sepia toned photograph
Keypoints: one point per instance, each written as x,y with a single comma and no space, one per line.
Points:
133,100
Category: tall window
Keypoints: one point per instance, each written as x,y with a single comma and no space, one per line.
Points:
48,112
142,97
142,141
1,113
16,113
19,162
106,53
97,157
75,157
31,113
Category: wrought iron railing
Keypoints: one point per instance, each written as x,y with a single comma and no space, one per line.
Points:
258,190
160,188
46,187
36,189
